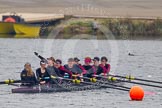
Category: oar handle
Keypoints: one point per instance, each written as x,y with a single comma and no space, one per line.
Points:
94,80
10,81
129,77
133,82
128,81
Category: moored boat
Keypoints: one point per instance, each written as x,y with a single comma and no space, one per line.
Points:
13,24
6,28
27,29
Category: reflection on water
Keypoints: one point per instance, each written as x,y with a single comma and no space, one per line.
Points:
6,36
83,36
16,36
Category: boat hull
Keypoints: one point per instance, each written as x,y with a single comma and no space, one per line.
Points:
20,30
27,30
59,88
6,28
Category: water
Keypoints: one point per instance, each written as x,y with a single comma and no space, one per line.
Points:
145,64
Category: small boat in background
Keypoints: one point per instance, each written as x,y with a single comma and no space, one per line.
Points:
27,29
13,24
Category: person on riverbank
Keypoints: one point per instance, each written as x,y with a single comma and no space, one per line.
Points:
105,66
94,27
28,76
42,75
64,72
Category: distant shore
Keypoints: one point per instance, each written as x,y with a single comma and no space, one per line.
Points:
119,16
110,8
107,28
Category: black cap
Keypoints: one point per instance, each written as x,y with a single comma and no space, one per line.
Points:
58,61
76,59
96,58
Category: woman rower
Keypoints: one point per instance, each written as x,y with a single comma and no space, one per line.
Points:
51,61
96,67
27,76
105,65
87,63
88,67
64,72
42,75
51,69
71,66
76,61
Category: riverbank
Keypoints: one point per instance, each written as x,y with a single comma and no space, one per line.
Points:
119,28
117,16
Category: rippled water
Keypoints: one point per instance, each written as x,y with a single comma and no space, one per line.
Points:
145,64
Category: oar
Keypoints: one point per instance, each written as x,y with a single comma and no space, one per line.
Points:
40,57
10,81
113,86
129,81
133,78
90,83
107,83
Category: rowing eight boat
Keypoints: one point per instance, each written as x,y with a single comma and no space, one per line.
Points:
64,87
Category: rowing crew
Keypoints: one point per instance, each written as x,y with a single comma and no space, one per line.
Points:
55,68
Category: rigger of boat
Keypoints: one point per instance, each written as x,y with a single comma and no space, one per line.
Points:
53,76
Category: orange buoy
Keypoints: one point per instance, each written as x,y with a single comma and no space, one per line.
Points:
136,93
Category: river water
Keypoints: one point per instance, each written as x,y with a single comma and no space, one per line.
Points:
145,64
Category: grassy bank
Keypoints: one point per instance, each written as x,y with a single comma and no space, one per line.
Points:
119,28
